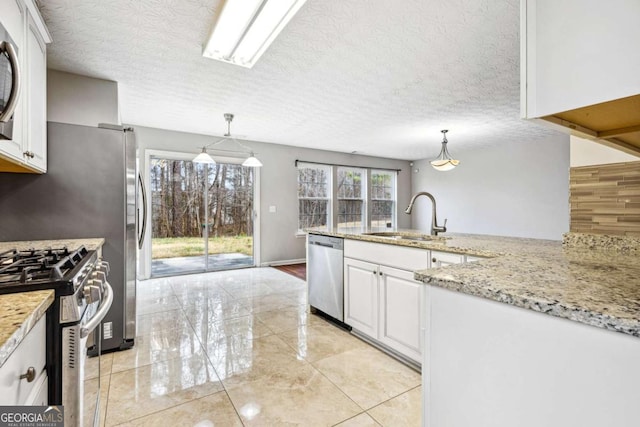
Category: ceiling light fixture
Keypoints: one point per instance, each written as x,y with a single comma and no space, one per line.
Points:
244,29
204,157
444,161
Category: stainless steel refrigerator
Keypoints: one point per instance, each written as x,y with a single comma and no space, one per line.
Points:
89,190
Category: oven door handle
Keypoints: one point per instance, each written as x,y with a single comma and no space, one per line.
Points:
12,102
105,305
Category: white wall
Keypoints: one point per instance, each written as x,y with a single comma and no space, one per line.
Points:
519,189
278,183
81,100
585,152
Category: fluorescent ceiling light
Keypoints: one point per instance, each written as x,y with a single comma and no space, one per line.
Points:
245,29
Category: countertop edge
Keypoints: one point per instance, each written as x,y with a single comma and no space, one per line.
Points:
556,309
8,347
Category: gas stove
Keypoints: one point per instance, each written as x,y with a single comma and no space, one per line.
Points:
82,299
36,269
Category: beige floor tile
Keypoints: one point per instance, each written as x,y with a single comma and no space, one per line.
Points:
213,410
142,391
249,327
239,360
156,304
286,318
156,347
368,376
362,420
89,396
91,366
302,397
247,289
320,341
258,304
154,322
404,410
206,313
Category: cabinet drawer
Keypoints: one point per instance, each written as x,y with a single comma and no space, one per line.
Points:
30,353
441,259
395,256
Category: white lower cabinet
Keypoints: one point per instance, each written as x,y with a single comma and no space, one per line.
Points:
361,296
23,377
400,312
382,301
442,259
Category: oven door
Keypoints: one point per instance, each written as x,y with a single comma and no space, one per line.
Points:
9,83
82,405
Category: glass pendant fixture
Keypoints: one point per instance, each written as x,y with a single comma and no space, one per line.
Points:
204,157
444,161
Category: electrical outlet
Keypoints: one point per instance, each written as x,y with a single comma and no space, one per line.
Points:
107,330
272,209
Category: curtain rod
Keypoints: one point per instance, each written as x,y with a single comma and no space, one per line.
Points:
345,166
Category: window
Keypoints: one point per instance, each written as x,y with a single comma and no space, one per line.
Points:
345,198
351,202
314,196
383,196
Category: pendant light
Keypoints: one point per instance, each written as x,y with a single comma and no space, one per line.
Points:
444,161
204,157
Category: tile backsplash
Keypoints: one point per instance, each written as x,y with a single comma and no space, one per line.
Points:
605,199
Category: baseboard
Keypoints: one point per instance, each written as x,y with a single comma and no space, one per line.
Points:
284,262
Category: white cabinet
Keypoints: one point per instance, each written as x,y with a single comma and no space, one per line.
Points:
27,361
579,68
382,300
27,151
361,296
401,312
442,259
578,53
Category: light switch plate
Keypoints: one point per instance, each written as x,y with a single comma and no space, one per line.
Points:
272,209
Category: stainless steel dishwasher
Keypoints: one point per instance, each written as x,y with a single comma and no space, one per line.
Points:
325,275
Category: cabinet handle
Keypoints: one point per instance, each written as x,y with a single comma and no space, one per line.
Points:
29,154
30,375
374,272
381,273
434,260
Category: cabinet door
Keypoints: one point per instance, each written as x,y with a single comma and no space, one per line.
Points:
361,296
400,313
37,98
442,259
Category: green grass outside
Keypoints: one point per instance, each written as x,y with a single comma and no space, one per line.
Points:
173,247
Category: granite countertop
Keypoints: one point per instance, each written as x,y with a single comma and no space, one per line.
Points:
90,244
19,313
573,281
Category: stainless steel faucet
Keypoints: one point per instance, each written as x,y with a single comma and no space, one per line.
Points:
435,228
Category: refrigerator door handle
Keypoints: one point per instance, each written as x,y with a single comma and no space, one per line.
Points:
143,231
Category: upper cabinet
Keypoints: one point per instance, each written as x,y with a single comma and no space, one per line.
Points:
580,67
27,150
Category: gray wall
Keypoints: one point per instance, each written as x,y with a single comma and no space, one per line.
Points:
278,182
81,100
519,189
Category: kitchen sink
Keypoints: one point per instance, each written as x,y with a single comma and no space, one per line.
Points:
406,236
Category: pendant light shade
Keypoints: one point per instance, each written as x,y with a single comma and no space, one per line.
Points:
250,161
444,161
204,157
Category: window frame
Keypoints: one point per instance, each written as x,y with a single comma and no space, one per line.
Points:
367,199
329,193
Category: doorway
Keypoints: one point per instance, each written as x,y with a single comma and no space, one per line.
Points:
202,216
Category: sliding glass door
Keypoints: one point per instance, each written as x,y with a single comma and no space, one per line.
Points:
202,216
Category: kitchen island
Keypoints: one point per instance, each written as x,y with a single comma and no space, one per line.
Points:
540,333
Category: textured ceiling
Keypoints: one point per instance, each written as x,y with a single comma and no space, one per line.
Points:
374,76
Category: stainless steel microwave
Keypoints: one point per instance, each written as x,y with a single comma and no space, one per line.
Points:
9,83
